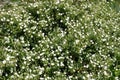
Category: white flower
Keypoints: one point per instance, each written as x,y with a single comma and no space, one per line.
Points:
70,77
77,41
105,73
61,64
41,78
27,77
4,62
8,58
28,57
7,40
38,12
59,48
33,28
52,64
23,67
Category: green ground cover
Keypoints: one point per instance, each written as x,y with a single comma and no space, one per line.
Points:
48,40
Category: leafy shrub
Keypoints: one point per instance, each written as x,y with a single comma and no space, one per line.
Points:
45,40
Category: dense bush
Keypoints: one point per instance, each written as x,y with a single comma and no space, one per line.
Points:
59,41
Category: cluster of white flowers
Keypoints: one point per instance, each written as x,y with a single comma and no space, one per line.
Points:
54,41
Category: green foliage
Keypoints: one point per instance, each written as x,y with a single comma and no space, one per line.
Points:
58,41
